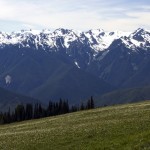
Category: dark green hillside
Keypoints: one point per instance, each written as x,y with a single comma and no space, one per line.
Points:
10,99
124,96
122,127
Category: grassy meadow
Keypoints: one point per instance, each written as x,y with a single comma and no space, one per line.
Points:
120,127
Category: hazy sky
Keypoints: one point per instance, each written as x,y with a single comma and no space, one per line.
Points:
109,15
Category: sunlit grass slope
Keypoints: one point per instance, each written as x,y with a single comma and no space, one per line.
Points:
119,127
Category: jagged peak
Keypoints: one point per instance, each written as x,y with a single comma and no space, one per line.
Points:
62,31
95,31
140,35
138,31
24,31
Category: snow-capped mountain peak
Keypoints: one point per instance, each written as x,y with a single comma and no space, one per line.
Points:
97,39
140,38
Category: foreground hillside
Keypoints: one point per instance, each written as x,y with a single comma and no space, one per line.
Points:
117,127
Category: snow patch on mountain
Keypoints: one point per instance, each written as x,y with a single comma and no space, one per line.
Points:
76,63
101,40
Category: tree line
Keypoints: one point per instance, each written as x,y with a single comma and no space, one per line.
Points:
35,111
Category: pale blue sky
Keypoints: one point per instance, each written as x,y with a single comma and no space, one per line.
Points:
109,15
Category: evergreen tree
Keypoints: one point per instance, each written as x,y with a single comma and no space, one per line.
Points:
92,103
13,117
82,106
40,111
60,106
65,107
8,117
50,109
56,109
88,106
29,111
2,121
35,112
20,113
74,109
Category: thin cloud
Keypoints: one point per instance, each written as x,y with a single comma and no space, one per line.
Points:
75,14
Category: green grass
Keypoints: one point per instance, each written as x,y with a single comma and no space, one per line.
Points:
124,127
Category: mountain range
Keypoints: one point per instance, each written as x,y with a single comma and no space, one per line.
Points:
72,64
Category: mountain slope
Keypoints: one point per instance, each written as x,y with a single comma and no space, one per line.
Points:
141,77
121,63
73,84
9,99
47,76
124,96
